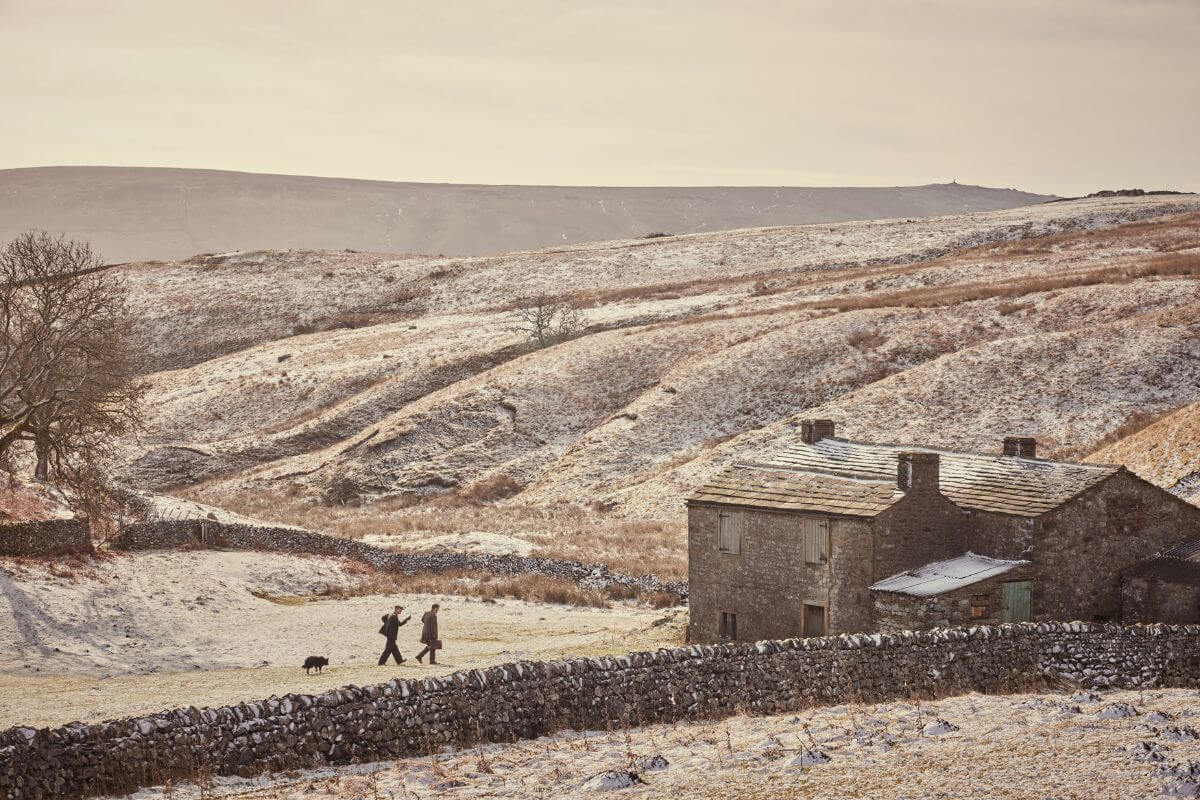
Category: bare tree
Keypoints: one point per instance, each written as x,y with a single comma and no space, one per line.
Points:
549,321
67,381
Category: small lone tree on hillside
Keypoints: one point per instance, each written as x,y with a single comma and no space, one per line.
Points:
68,387
549,321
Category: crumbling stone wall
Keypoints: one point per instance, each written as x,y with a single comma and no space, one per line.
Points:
208,533
45,537
524,700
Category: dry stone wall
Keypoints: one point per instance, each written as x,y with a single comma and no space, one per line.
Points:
525,699
208,533
45,537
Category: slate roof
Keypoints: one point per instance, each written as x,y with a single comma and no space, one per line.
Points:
1007,484
747,485
944,576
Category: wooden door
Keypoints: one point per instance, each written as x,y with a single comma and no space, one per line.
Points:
814,620
1016,601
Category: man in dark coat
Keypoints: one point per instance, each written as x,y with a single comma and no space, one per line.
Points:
429,634
390,629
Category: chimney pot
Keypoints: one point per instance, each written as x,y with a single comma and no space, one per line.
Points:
918,471
1020,446
814,430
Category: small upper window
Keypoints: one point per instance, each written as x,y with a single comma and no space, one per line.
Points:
729,533
816,541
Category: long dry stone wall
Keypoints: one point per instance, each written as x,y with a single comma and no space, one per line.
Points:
207,533
45,537
524,700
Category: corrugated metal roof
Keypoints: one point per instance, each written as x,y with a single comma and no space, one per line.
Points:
1167,569
1189,551
1178,564
943,576
790,490
1022,486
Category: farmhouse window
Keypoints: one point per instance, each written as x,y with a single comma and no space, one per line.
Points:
728,629
980,605
816,541
729,526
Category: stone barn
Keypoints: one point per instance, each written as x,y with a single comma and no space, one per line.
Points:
804,542
1164,588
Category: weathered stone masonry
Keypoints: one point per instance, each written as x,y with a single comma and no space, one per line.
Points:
45,537
524,700
207,533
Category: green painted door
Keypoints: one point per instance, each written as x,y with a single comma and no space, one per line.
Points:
1016,601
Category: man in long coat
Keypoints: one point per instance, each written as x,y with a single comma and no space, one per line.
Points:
390,629
429,634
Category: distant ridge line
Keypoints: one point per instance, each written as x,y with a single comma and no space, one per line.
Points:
148,213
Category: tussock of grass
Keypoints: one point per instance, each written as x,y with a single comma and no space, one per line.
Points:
282,599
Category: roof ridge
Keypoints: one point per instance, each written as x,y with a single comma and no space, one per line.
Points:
973,554
860,477
951,451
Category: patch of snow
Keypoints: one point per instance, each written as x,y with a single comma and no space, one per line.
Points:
1182,733
654,763
1148,752
1117,711
939,727
612,779
810,758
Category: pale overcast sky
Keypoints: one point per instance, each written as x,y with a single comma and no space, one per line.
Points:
1062,96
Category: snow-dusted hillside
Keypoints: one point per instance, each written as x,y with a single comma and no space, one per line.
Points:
1166,452
291,371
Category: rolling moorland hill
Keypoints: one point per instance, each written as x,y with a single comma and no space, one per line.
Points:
282,379
1167,452
141,213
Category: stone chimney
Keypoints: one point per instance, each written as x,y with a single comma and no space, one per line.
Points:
917,472
814,430
1020,446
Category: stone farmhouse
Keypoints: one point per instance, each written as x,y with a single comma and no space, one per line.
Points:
834,536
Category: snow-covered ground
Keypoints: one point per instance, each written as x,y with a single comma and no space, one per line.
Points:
1067,746
91,639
